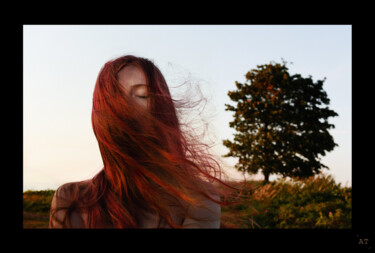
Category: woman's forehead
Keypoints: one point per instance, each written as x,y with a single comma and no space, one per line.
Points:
131,75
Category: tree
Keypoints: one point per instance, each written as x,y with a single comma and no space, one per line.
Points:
281,123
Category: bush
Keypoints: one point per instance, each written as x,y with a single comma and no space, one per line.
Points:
307,203
37,201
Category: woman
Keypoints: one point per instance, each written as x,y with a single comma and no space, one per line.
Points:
154,175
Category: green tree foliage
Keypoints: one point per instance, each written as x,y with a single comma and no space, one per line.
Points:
281,123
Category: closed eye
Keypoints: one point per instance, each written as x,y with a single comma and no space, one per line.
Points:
143,97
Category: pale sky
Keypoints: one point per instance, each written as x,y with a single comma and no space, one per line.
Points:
61,64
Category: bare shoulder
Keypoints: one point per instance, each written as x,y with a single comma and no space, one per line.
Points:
207,213
67,193
62,200
68,190
211,190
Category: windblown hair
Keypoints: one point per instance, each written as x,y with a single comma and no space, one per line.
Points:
146,155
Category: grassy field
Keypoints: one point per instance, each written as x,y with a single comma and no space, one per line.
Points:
310,203
36,206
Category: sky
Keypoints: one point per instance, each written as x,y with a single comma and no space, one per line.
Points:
61,64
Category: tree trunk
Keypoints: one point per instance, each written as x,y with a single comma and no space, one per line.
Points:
266,174
266,177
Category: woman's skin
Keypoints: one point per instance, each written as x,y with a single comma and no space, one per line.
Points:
134,82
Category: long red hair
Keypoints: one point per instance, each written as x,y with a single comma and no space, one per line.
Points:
146,154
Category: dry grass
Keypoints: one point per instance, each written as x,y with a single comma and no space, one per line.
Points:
35,220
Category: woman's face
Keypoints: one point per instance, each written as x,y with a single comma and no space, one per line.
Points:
134,82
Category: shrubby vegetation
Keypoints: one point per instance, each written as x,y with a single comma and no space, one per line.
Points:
316,202
36,207
37,201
